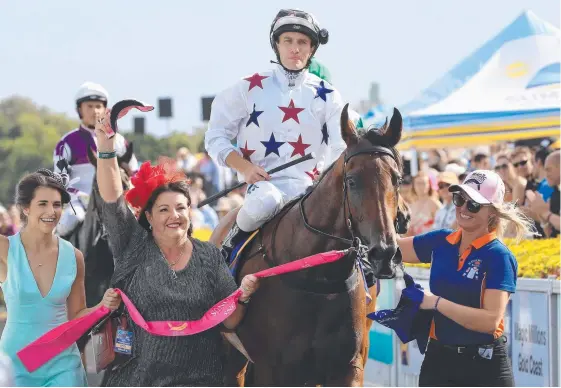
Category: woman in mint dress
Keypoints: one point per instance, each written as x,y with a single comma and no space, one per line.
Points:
42,277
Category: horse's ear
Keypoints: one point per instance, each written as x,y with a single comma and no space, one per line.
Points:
126,158
393,131
92,157
348,129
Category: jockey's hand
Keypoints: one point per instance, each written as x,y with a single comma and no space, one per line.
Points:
111,300
103,126
250,284
253,173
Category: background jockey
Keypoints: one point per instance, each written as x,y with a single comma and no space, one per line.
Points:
275,117
91,99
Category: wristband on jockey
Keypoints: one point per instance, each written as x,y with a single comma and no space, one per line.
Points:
107,155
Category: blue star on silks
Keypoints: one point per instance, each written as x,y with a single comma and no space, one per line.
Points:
272,146
324,135
322,91
253,117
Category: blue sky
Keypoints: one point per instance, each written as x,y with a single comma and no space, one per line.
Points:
186,49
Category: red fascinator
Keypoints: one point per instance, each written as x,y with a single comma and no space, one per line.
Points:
149,177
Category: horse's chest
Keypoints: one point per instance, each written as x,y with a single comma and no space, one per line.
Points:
302,327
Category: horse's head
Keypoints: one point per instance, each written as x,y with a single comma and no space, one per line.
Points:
371,169
123,161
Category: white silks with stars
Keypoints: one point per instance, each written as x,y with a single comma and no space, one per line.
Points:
275,119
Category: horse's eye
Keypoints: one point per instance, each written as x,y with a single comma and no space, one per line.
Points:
397,181
351,182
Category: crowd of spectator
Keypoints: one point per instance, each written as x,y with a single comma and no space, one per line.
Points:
531,177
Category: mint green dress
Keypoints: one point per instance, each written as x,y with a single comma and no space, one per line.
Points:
30,316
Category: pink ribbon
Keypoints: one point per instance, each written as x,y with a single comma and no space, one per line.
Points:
60,338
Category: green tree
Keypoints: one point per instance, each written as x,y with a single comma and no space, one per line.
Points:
28,135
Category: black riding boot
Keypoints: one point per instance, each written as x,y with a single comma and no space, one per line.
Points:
235,235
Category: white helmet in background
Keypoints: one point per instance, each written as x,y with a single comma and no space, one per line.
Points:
90,91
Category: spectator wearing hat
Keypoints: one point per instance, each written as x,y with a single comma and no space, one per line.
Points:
472,277
445,217
456,168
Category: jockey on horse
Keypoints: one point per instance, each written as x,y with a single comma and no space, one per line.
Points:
282,114
91,99
277,116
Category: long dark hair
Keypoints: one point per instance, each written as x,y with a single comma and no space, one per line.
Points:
25,190
177,187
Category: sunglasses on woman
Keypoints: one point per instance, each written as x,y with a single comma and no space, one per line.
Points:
472,206
501,167
442,185
521,163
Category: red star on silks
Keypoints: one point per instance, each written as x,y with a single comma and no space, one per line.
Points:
247,152
314,173
291,112
299,147
255,80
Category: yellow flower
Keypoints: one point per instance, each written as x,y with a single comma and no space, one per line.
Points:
536,258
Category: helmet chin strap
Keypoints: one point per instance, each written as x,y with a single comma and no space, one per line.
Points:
294,72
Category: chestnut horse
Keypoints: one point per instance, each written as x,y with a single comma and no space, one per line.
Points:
310,327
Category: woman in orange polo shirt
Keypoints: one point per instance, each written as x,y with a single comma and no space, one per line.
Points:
472,276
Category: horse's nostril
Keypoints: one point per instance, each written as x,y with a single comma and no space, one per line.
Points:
381,260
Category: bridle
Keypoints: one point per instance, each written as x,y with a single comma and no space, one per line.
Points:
360,250
354,241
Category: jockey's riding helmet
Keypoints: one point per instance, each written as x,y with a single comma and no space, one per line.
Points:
295,20
90,91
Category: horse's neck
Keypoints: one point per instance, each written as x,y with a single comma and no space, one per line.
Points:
323,209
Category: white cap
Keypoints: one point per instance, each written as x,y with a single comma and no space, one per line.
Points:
455,168
482,186
90,91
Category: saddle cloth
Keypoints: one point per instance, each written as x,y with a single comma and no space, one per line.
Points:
235,256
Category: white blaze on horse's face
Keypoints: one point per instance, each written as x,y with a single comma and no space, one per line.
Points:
45,209
170,215
295,50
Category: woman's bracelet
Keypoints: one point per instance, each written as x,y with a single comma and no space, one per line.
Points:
107,155
436,304
245,302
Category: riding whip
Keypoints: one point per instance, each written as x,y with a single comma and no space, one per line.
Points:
221,194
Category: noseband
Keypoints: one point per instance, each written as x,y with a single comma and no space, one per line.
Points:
354,241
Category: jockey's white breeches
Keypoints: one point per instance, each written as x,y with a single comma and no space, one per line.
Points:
68,220
263,200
